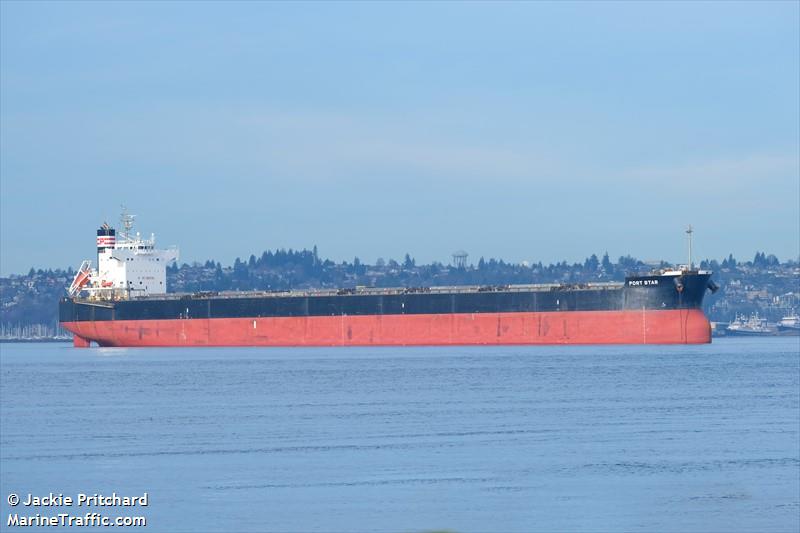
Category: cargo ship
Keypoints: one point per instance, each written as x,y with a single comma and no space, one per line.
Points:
124,302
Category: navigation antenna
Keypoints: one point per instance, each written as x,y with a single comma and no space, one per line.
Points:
127,223
689,232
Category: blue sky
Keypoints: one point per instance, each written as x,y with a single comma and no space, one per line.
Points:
527,131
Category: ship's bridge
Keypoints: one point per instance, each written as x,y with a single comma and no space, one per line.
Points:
127,266
135,266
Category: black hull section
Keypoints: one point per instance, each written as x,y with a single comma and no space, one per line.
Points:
637,293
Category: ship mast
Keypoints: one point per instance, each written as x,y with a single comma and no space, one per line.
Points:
127,223
689,232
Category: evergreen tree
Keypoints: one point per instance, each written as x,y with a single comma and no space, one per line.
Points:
607,266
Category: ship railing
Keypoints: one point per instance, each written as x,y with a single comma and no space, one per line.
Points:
386,291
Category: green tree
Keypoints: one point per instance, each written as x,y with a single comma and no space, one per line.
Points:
607,265
592,263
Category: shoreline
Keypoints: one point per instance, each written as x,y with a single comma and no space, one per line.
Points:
33,340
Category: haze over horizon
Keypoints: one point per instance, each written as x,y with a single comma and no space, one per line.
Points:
521,131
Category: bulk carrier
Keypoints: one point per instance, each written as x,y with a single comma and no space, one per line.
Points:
124,302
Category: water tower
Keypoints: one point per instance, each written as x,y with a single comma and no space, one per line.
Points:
460,259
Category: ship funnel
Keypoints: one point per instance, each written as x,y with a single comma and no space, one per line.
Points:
106,237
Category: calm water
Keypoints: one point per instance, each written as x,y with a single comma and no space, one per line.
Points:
702,438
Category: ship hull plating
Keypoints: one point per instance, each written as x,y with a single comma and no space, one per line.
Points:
643,310
674,326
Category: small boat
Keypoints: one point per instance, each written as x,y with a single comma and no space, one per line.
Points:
790,324
754,326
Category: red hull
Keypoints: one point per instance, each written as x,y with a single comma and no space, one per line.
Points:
678,326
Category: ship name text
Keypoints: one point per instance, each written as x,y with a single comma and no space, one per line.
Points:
642,282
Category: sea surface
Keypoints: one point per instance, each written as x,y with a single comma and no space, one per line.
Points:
467,439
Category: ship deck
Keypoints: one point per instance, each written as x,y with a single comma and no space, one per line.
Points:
382,291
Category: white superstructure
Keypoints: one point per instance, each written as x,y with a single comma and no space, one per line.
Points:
127,265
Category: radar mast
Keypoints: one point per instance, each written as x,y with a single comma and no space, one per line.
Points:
126,220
